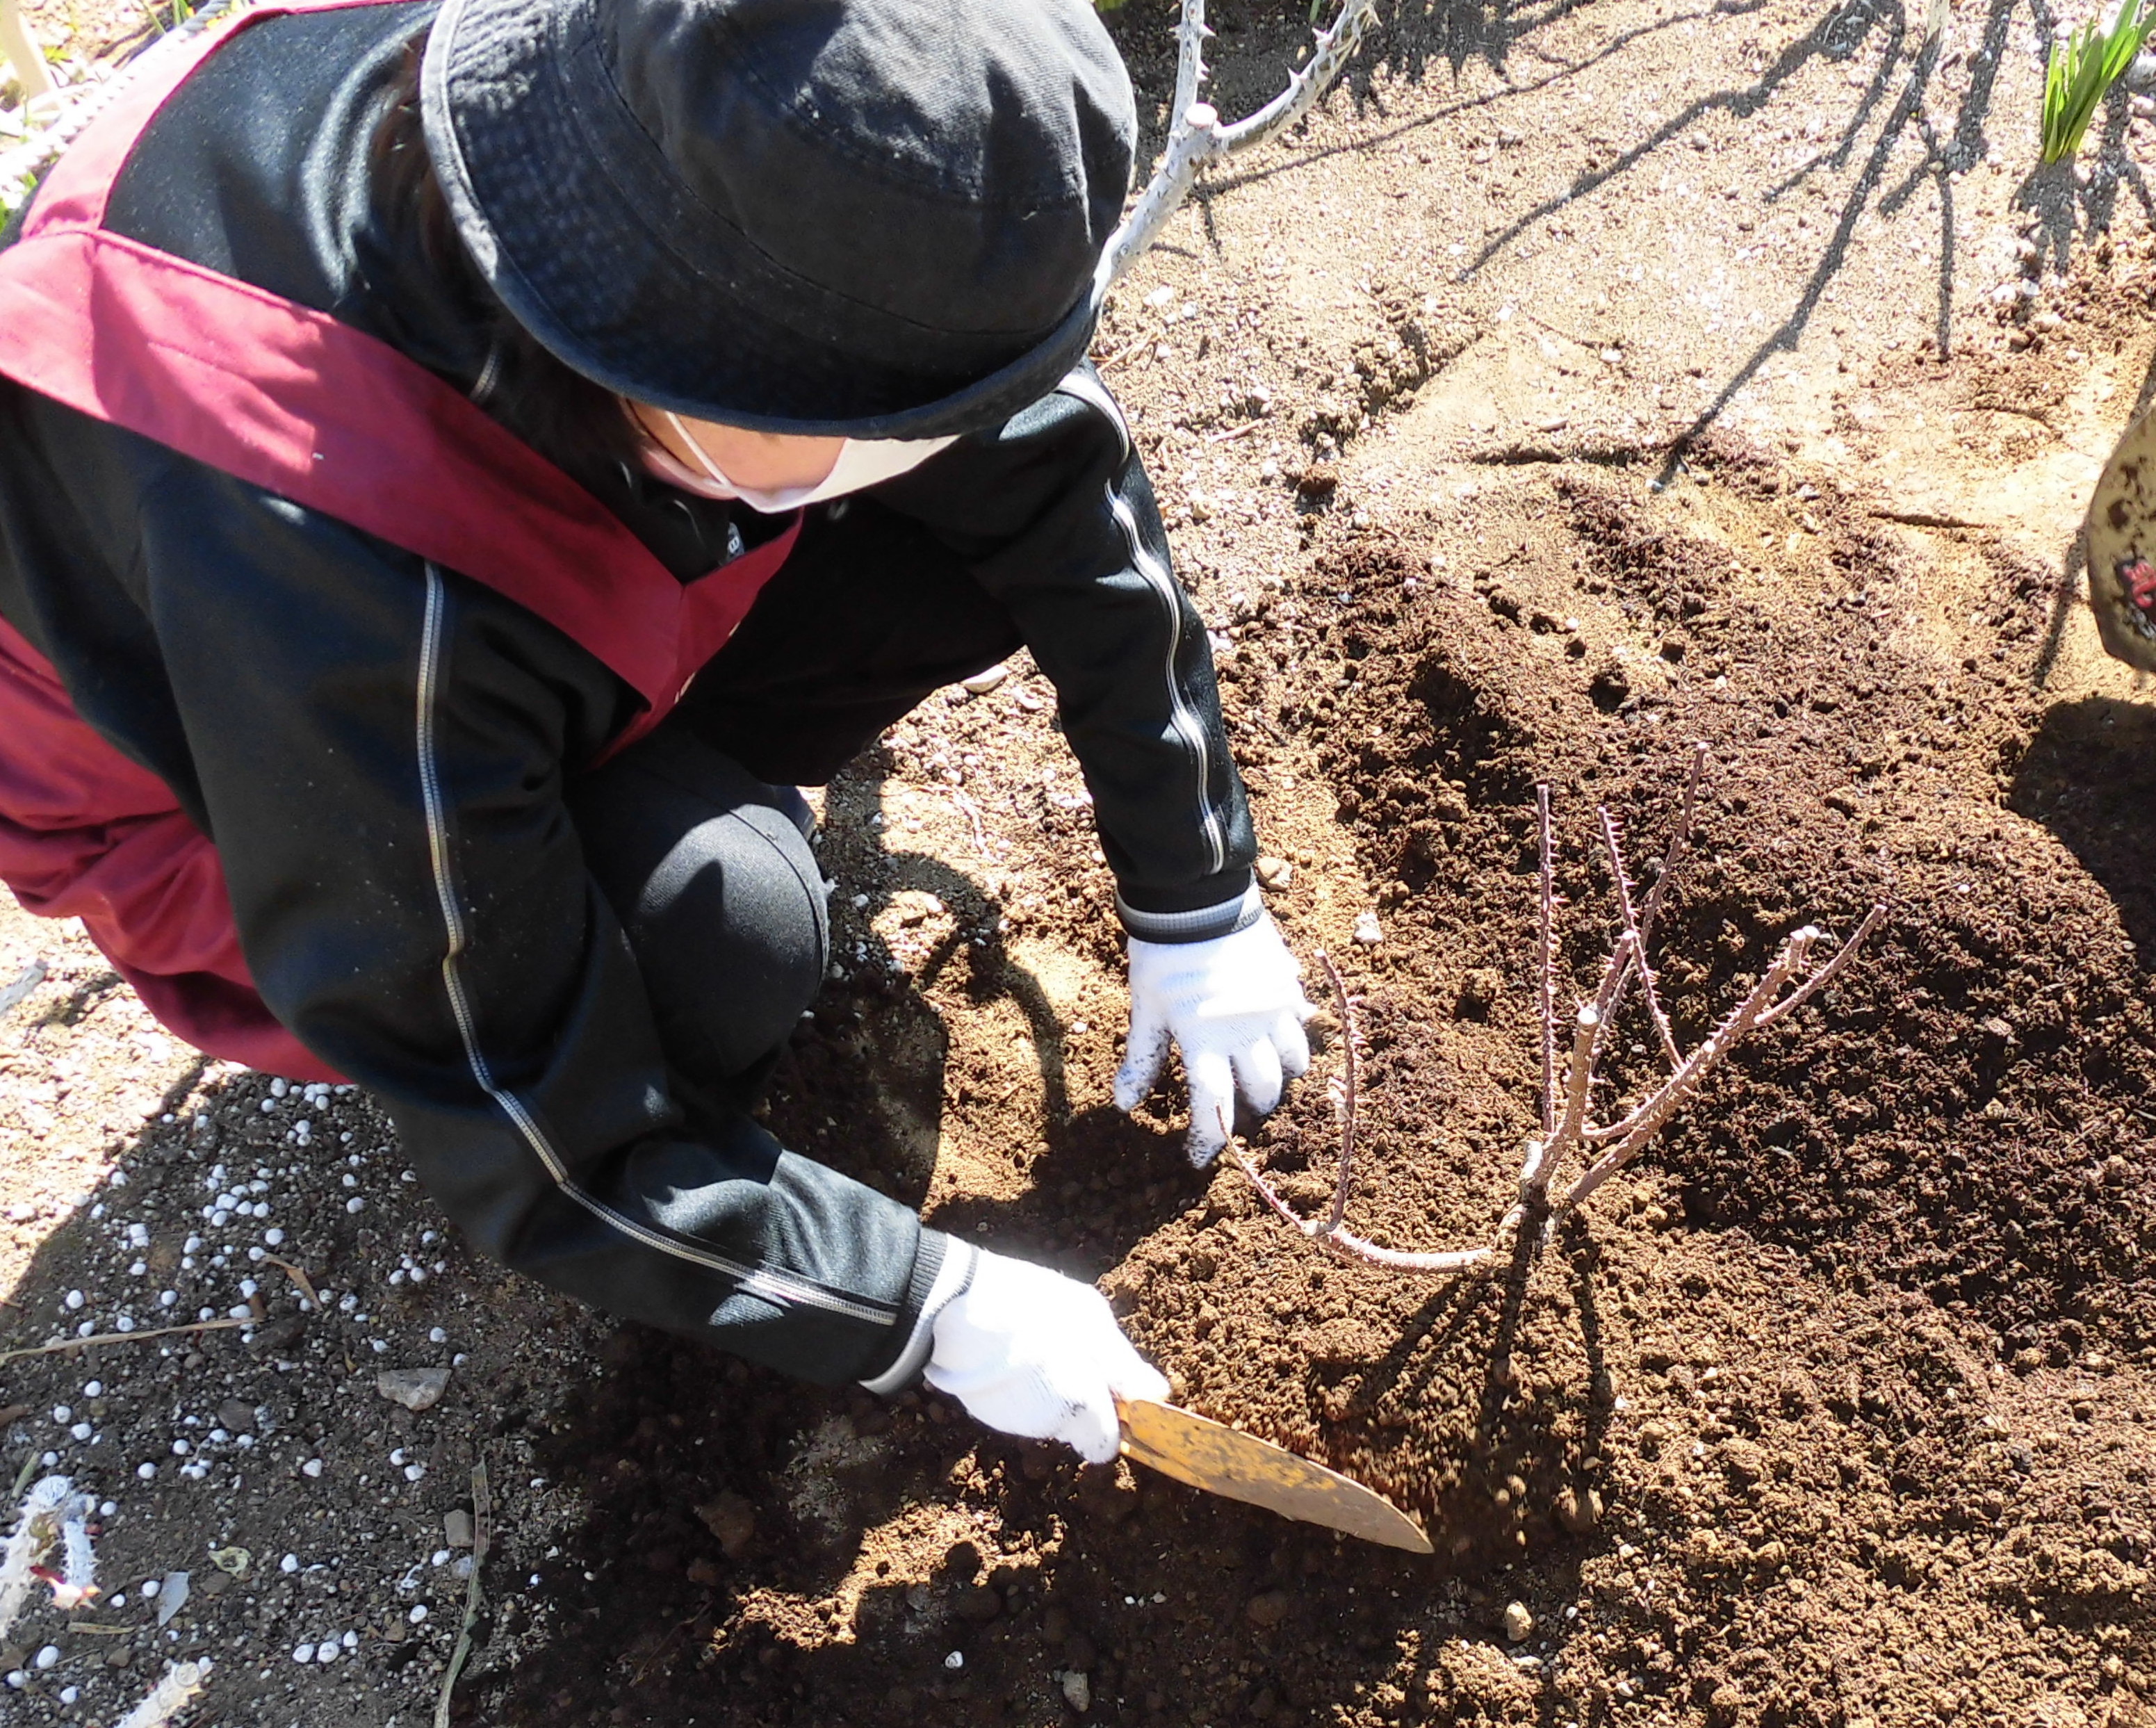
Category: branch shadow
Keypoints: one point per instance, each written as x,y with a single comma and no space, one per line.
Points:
878,1041
1833,39
1785,338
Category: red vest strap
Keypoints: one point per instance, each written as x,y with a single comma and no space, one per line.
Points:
307,407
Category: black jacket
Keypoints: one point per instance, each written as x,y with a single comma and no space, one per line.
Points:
265,661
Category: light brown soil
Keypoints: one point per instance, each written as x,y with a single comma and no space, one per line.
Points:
1834,1410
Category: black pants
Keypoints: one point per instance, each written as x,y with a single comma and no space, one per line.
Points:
709,866
711,873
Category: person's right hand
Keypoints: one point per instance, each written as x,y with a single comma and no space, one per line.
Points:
1032,1352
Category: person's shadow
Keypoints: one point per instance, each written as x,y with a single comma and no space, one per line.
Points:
867,1084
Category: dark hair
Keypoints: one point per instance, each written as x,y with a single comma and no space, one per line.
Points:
577,425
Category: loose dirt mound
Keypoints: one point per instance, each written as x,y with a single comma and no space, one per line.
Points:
1819,1415
1834,1410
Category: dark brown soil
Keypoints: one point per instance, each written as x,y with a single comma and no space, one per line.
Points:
1834,1409
1819,1414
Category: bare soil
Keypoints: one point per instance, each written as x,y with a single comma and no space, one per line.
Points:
1586,382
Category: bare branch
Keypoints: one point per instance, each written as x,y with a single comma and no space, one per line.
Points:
1648,1120
1332,1235
1190,67
1345,1245
1635,934
1269,1195
1335,46
1579,1075
1833,965
1196,136
1545,977
1567,1099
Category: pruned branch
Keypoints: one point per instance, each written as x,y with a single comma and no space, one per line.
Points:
1196,136
1546,968
1332,1235
1568,1096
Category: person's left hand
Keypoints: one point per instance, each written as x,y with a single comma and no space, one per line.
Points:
1234,1007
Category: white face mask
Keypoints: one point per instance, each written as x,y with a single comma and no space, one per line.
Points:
862,462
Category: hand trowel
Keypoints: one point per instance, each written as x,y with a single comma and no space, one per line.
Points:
1225,1461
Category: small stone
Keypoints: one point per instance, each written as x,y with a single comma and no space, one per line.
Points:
732,1519
1367,929
982,682
236,1414
1077,1691
1274,872
414,1388
457,1528
1579,1510
1267,1608
1518,1623
278,1335
119,1656
1479,991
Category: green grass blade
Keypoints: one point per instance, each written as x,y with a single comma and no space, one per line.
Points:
2080,72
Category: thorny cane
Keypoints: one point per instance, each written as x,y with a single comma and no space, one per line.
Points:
1567,1093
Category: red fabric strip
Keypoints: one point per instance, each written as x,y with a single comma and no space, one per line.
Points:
86,833
315,411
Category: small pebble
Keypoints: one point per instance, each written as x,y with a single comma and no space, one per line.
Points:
1367,929
414,1388
1519,1624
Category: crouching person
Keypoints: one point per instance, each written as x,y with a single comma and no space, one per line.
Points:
461,468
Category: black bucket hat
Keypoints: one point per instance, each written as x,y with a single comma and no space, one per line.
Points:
878,219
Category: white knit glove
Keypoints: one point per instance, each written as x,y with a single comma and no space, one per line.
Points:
1234,1007
1032,1352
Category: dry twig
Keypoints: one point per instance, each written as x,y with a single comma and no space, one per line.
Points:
1567,1092
60,1346
482,1532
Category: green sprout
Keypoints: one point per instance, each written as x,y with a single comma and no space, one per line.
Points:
2082,69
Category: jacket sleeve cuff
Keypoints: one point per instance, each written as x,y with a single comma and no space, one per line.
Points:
1202,923
941,1270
